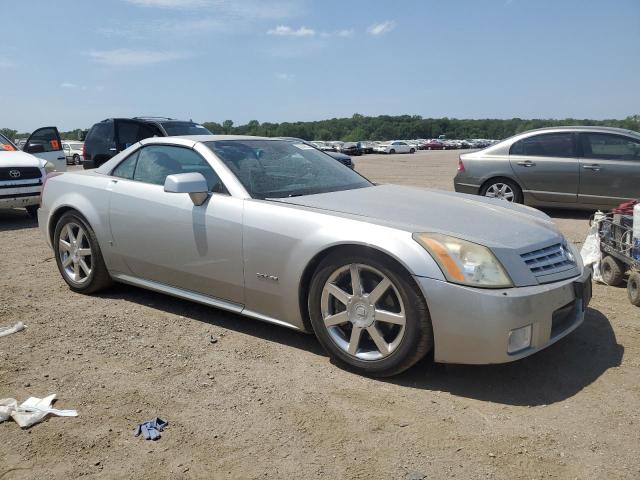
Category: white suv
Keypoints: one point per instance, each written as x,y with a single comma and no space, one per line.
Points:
22,174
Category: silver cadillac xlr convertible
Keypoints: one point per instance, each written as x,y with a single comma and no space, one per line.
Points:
278,231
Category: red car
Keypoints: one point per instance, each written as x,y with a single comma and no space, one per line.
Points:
434,145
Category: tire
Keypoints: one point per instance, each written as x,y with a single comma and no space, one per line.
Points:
612,271
511,191
403,344
392,151
76,160
413,150
32,211
633,288
73,272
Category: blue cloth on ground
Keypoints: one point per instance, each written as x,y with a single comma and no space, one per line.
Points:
151,430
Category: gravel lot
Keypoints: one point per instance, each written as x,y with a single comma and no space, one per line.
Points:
265,402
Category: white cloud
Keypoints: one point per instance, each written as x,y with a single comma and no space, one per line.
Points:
286,77
381,28
126,57
285,31
339,33
68,85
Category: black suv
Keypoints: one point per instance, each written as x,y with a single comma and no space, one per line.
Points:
109,137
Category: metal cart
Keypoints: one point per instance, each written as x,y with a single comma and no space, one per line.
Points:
616,245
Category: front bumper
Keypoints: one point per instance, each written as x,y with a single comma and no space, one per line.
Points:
20,197
472,325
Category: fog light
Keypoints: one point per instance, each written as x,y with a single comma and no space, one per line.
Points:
519,339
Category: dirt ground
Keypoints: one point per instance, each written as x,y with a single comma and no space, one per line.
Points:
261,401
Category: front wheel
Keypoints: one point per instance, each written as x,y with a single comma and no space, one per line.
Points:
413,150
392,151
368,314
78,255
502,189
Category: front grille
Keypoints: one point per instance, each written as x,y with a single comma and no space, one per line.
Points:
26,173
548,260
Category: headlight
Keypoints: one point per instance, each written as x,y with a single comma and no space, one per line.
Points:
49,167
465,262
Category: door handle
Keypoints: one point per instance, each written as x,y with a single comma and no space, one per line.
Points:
113,149
594,167
527,163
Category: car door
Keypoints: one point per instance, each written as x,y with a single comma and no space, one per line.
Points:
164,237
546,165
45,143
609,169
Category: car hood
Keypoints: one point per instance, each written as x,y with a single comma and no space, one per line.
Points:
18,158
490,222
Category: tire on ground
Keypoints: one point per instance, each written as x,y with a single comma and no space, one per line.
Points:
515,188
612,271
418,336
99,277
633,288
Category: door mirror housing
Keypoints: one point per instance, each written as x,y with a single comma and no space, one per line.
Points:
192,183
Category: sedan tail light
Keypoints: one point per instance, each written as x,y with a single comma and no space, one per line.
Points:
460,165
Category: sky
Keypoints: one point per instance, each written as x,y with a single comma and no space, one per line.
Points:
71,63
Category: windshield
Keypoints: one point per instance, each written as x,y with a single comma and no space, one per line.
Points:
282,168
184,128
5,144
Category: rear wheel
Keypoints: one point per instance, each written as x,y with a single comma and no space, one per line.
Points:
633,288
503,189
78,255
368,314
76,160
612,271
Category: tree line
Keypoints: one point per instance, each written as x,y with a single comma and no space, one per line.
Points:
387,127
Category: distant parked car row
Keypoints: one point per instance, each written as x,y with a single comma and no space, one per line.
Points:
400,146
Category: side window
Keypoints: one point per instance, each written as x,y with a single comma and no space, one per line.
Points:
545,145
127,134
609,147
101,133
156,162
127,167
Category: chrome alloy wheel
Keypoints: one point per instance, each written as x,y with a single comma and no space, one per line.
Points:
363,312
501,191
75,253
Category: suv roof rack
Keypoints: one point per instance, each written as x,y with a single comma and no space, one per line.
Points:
153,118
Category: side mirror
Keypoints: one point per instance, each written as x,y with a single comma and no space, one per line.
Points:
192,183
34,148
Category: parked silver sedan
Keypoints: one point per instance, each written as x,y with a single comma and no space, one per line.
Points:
570,167
278,231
